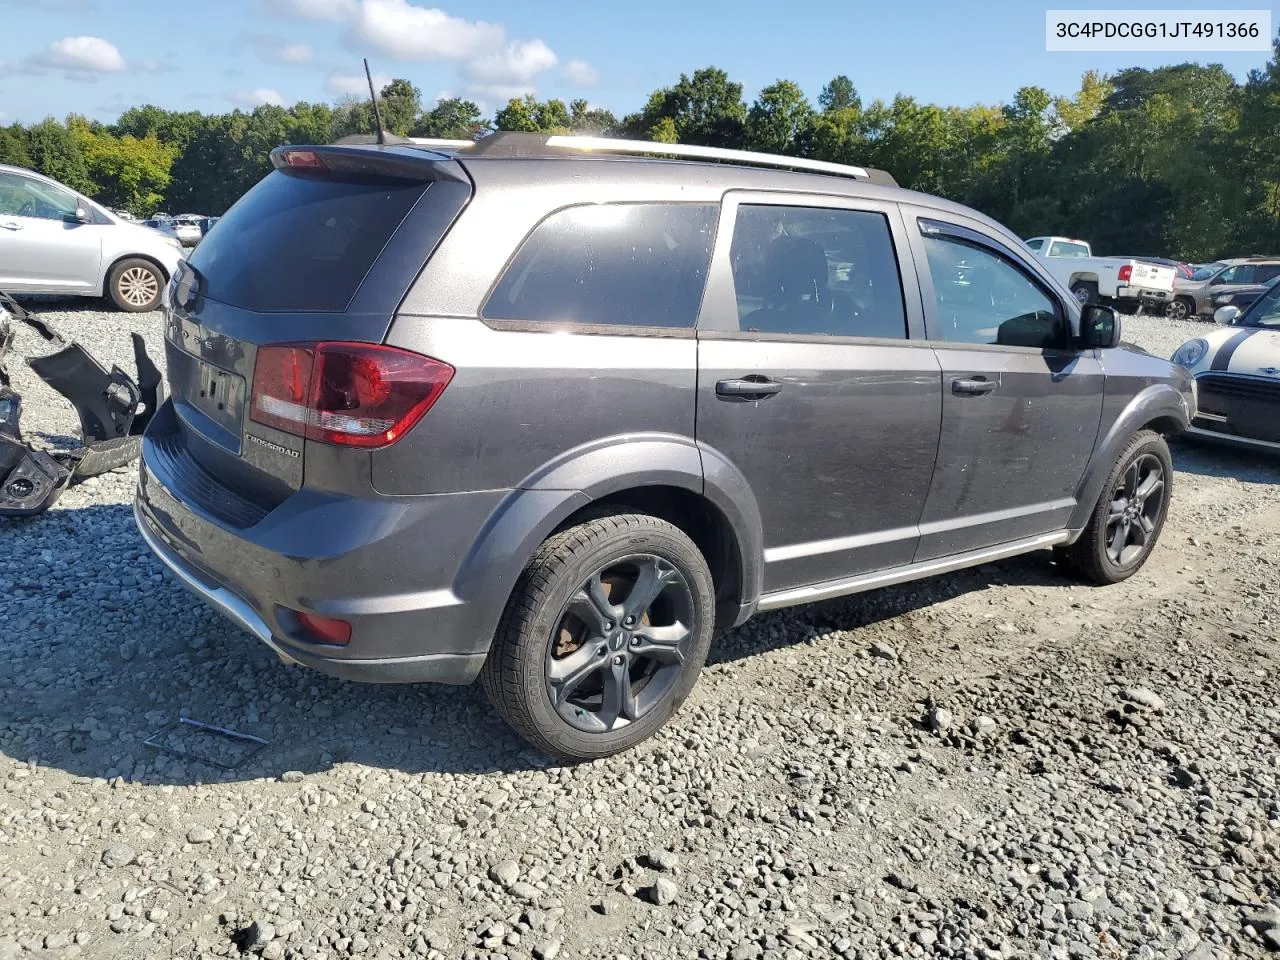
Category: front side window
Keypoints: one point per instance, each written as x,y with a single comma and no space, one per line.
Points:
24,197
981,297
621,264
1036,243
1065,248
816,271
1240,273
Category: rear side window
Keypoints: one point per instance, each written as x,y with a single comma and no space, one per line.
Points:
623,264
297,242
817,272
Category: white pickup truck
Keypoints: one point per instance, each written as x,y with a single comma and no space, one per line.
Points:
1094,279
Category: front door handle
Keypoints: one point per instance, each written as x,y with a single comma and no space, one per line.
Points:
10,225
972,388
754,387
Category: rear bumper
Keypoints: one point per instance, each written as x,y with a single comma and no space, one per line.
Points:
385,566
1143,294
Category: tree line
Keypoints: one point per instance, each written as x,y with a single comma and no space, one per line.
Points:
1176,161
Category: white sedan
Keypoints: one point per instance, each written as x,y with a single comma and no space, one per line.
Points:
1237,375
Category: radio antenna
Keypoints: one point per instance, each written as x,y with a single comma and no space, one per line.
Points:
377,114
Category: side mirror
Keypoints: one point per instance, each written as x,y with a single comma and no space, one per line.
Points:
1099,327
1226,315
80,216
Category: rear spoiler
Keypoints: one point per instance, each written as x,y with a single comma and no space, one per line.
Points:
370,159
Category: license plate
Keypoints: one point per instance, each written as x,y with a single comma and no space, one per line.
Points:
1255,418
218,395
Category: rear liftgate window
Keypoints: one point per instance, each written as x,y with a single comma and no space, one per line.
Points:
301,241
625,264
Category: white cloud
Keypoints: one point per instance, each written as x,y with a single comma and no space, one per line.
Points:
581,73
295,53
355,84
334,10
400,29
80,55
516,64
277,49
256,98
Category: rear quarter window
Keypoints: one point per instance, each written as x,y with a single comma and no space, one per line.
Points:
300,242
622,264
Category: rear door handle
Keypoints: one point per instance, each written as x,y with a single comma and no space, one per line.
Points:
10,225
753,387
972,388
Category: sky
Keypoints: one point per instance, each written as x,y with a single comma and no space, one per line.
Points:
99,57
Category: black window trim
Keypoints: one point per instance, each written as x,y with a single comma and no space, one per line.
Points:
515,325
963,234
719,316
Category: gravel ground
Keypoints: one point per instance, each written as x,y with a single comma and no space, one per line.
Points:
994,764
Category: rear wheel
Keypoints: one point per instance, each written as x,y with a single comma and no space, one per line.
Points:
135,285
1130,514
1085,292
1180,309
603,637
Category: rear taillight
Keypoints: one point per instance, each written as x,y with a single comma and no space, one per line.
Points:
1125,273
352,394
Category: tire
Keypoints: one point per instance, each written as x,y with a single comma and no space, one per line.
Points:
541,628
1181,309
1085,292
1093,557
135,285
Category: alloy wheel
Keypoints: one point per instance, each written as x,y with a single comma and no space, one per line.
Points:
1135,510
1176,310
620,643
138,286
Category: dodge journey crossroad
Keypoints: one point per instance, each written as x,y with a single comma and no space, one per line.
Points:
551,411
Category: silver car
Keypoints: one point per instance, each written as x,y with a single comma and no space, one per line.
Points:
55,241
1200,298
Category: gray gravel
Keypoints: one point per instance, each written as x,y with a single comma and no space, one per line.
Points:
1160,335
994,764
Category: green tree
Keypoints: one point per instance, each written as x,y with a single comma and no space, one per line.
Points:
706,109
839,94
778,118
13,146
127,172
54,152
586,119
530,115
452,119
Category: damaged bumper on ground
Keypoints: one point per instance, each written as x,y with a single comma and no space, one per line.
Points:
113,409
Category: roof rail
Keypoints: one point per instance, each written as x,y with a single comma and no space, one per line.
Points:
746,157
529,144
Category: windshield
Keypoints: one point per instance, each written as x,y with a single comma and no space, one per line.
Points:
1204,273
1265,311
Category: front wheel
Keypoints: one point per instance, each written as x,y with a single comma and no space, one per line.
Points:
135,285
603,638
1130,514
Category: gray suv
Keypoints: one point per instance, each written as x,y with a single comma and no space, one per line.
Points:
551,411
